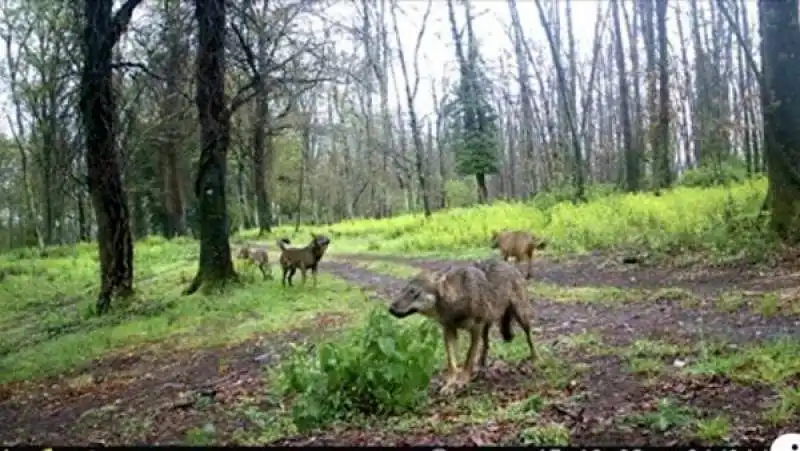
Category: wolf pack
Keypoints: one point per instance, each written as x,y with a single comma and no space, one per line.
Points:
470,298
292,258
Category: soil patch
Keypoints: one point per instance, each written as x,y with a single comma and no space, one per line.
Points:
148,397
616,399
598,269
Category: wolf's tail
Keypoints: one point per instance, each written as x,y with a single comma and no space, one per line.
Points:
283,242
505,323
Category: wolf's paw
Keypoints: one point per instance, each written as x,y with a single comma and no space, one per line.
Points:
451,387
454,384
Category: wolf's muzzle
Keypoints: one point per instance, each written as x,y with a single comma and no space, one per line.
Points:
399,314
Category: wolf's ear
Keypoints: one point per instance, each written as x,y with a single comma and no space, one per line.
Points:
441,283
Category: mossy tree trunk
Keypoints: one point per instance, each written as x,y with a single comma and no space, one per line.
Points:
97,105
779,49
215,265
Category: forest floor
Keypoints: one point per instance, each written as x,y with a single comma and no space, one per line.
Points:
633,354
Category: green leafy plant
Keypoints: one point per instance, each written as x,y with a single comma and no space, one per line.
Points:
668,415
383,368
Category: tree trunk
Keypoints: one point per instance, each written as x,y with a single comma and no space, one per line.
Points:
578,175
84,231
215,265
779,50
260,156
526,100
172,186
416,133
661,150
262,149
97,105
632,175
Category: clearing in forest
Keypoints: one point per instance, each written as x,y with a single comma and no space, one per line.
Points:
698,352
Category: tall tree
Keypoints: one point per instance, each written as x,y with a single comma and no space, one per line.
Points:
98,111
171,187
476,153
561,78
780,38
521,51
662,167
632,175
411,89
215,265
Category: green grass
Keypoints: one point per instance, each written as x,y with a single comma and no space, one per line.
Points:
719,220
713,430
49,325
669,414
773,364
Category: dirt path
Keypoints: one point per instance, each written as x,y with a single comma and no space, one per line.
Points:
620,324
143,398
599,269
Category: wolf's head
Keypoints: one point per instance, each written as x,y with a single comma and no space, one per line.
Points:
319,244
418,296
243,253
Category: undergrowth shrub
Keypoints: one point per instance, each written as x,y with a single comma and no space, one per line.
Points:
721,220
715,219
383,368
732,170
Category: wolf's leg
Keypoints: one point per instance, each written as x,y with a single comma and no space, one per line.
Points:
527,329
450,340
476,339
463,377
455,377
485,349
451,380
524,322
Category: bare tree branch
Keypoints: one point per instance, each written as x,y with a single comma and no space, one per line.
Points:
121,20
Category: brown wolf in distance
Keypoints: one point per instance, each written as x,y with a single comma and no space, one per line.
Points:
457,298
518,244
302,258
259,257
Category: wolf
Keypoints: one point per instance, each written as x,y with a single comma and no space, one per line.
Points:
518,244
302,258
460,298
259,256
508,284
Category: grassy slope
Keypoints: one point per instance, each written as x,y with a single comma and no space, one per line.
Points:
49,326
720,220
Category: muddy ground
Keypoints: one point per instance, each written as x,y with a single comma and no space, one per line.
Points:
160,397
